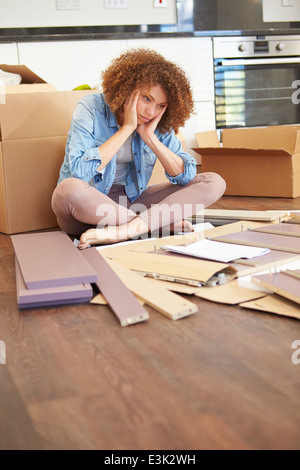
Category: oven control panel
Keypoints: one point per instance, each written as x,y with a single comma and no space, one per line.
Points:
249,46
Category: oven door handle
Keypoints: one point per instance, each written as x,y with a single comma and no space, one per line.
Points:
271,61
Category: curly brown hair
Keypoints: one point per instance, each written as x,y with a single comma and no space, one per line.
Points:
144,68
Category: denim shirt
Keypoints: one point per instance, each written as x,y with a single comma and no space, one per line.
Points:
92,124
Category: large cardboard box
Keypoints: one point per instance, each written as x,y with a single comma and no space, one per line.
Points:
29,78
33,132
261,162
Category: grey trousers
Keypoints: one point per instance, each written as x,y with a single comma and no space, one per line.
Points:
78,206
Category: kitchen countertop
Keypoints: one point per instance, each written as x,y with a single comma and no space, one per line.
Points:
8,35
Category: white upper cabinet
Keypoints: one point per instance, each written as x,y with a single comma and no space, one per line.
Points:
194,55
9,54
68,64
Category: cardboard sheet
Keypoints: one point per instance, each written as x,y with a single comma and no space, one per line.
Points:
274,304
168,303
178,267
230,294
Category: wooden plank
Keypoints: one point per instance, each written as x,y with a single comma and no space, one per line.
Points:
168,303
122,302
50,259
244,214
289,230
263,240
281,284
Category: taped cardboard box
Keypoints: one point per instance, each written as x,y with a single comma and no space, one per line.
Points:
261,162
33,132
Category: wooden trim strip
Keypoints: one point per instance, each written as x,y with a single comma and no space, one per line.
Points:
168,303
256,244
276,232
122,302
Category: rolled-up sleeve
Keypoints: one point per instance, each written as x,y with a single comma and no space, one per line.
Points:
190,164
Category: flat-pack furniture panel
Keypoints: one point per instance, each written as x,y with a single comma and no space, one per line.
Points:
50,259
50,296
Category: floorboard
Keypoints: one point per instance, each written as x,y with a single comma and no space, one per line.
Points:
220,379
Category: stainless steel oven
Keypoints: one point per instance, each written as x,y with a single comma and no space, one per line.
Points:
257,81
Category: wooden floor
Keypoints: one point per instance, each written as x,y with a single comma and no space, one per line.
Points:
220,379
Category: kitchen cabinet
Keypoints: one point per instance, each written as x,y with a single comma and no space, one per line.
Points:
68,64
9,54
194,55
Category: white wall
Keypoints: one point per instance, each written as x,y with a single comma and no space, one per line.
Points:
43,13
67,64
275,11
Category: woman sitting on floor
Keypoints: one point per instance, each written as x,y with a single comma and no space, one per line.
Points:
115,138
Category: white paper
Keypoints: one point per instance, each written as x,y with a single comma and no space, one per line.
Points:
218,251
201,227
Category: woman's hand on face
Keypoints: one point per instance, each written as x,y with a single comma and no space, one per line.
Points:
147,130
130,110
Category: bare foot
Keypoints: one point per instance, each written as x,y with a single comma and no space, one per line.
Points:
183,226
133,229
112,234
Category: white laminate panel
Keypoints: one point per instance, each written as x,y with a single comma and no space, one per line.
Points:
194,55
68,64
9,54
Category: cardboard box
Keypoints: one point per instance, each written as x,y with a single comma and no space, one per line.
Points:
261,162
28,78
33,133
